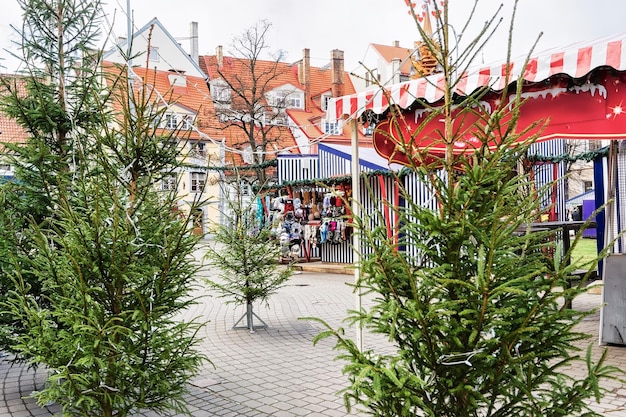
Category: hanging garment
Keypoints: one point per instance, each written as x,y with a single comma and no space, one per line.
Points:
315,235
323,232
288,205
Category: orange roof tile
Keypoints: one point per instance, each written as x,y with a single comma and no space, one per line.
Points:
10,130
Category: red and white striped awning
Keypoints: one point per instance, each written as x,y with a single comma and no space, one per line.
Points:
575,61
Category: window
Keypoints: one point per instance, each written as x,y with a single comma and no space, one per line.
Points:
187,122
177,121
325,100
331,128
198,179
199,150
171,120
587,185
220,94
278,119
286,99
168,183
153,54
594,145
294,101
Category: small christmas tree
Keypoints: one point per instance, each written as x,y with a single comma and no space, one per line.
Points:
247,255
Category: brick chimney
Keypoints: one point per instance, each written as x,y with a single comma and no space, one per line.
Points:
337,72
219,54
304,75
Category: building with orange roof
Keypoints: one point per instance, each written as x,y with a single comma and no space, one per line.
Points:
294,97
176,86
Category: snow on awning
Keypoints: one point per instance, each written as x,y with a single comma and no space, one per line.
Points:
575,61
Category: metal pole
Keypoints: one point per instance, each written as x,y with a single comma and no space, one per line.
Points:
129,55
356,213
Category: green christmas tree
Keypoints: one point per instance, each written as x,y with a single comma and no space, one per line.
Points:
247,255
99,268
476,315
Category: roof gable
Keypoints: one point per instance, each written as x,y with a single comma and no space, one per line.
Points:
164,54
389,53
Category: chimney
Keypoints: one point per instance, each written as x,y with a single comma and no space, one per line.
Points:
337,72
304,74
395,70
396,44
193,36
220,56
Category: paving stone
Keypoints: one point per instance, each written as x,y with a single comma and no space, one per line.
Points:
278,372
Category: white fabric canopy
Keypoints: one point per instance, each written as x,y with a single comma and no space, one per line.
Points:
576,61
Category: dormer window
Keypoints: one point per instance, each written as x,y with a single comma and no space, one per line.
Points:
286,99
331,128
177,80
177,121
325,100
220,92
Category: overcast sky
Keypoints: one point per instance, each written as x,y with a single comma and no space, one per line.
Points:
350,25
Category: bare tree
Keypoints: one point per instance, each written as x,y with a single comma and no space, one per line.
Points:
247,101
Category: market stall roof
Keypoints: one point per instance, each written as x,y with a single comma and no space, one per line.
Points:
368,157
576,61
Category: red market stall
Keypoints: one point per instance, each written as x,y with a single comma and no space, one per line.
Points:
578,92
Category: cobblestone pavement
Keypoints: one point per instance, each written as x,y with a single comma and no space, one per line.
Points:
277,371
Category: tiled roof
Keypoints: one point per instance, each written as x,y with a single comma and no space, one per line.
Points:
194,95
10,130
279,74
389,53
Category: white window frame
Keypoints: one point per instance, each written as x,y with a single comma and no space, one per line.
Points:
169,183
221,94
199,149
170,121
187,122
197,180
173,120
331,128
325,100
286,99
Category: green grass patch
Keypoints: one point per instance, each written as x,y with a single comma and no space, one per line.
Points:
584,253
